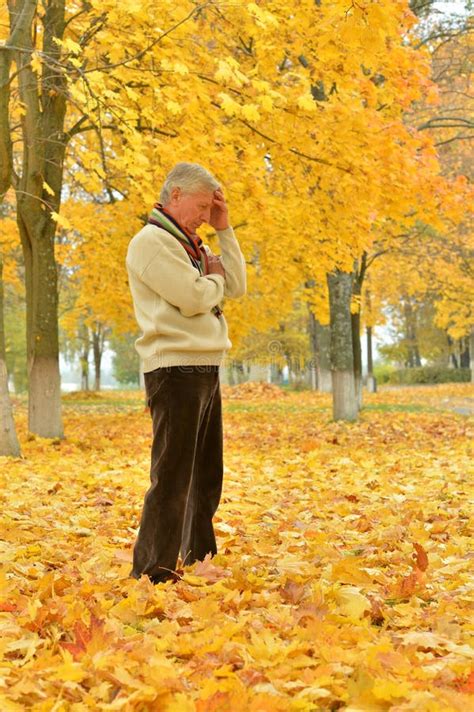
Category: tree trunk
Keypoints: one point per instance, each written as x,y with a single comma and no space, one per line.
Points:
5,135
357,356
471,352
342,359
230,374
98,341
360,268
371,380
277,374
239,370
413,355
9,444
84,357
464,352
294,370
450,363
314,350
38,192
409,355
417,356
97,365
44,401
323,335
313,342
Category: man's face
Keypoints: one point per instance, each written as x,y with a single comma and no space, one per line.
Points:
191,209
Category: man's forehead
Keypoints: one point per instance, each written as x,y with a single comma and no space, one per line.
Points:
204,195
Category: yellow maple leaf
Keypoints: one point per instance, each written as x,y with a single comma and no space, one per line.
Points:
61,220
250,112
229,106
173,107
69,671
390,689
36,64
48,188
351,602
306,102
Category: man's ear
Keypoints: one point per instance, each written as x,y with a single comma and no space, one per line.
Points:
175,192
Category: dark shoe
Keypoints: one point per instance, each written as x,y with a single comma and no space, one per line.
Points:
162,578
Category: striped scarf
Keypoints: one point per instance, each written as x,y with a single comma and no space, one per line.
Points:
160,217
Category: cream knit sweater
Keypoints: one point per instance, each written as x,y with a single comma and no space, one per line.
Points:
173,303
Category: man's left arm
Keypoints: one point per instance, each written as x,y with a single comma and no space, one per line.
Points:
233,262
231,256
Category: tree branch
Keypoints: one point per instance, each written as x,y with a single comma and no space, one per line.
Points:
320,160
139,55
434,123
455,138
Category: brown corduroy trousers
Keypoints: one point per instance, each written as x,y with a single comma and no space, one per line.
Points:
186,470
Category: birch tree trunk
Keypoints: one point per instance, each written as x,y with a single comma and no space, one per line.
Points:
471,353
464,352
360,268
371,380
320,341
342,358
9,444
84,356
84,360
314,350
413,353
98,342
5,136
324,364
357,357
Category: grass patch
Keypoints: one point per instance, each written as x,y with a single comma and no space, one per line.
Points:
261,407
401,408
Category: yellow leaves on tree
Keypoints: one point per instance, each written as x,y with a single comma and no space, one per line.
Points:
307,105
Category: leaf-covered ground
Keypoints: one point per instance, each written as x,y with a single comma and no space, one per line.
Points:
342,582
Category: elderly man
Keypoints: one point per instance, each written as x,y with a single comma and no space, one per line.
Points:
177,285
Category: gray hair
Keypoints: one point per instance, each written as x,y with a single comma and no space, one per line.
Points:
190,177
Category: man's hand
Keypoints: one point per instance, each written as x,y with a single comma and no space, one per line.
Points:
219,218
215,265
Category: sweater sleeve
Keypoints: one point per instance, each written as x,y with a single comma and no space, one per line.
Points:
233,262
170,274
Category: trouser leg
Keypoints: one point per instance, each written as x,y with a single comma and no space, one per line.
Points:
198,538
179,401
